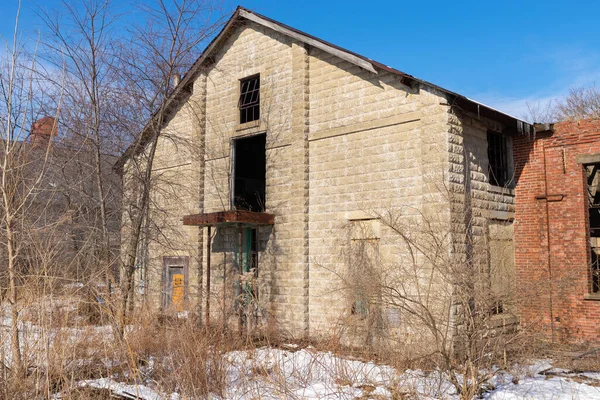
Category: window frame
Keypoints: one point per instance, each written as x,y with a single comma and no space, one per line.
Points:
592,178
248,106
498,159
233,185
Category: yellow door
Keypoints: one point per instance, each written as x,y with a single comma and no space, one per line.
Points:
177,294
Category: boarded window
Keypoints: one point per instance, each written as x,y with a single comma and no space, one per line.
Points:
502,264
249,102
363,260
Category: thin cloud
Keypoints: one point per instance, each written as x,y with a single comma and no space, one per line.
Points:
573,68
519,106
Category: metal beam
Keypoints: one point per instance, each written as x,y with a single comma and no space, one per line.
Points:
243,217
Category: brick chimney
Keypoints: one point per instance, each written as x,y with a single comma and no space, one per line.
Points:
42,131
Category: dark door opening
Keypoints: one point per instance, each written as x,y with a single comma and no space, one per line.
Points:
249,173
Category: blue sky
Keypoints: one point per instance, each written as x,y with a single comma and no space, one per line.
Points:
503,53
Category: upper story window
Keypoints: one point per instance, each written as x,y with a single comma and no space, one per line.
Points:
498,159
249,102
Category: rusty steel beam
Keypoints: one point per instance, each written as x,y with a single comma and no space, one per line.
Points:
229,217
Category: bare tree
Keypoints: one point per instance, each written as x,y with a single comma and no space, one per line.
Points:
580,103
540,112
22,168
451,289
80,41
158,51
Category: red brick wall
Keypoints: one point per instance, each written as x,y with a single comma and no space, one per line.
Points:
552,285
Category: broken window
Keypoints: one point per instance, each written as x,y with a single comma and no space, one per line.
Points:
498,158
497,307
593,194
249,173
249,102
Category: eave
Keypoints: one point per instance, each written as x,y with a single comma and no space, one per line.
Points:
514,126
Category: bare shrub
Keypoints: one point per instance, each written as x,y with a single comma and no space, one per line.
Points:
180,356
580,103
443,296
59,353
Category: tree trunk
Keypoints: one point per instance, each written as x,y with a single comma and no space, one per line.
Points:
12,298
137,219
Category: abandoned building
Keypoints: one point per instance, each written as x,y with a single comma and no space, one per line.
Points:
557,229
283,151
61,174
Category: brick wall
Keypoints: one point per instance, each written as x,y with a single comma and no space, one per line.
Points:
551,234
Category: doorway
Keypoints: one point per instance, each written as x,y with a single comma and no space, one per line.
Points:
175,280
249,173
177,286
246,287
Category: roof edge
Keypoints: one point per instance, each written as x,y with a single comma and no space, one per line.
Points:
307,39
520,126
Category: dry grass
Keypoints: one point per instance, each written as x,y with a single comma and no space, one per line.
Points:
171,354
178,357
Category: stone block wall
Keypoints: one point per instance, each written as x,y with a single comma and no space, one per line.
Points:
175,191
482,218
343,145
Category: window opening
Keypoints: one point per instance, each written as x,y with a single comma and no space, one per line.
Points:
249,251
593,194
249,102
497,158
249,173
497,307
595,271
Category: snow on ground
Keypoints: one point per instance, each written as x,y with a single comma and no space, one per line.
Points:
269,373
126,391
540,388
305,373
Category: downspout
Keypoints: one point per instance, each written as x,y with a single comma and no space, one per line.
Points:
549,259
208,251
